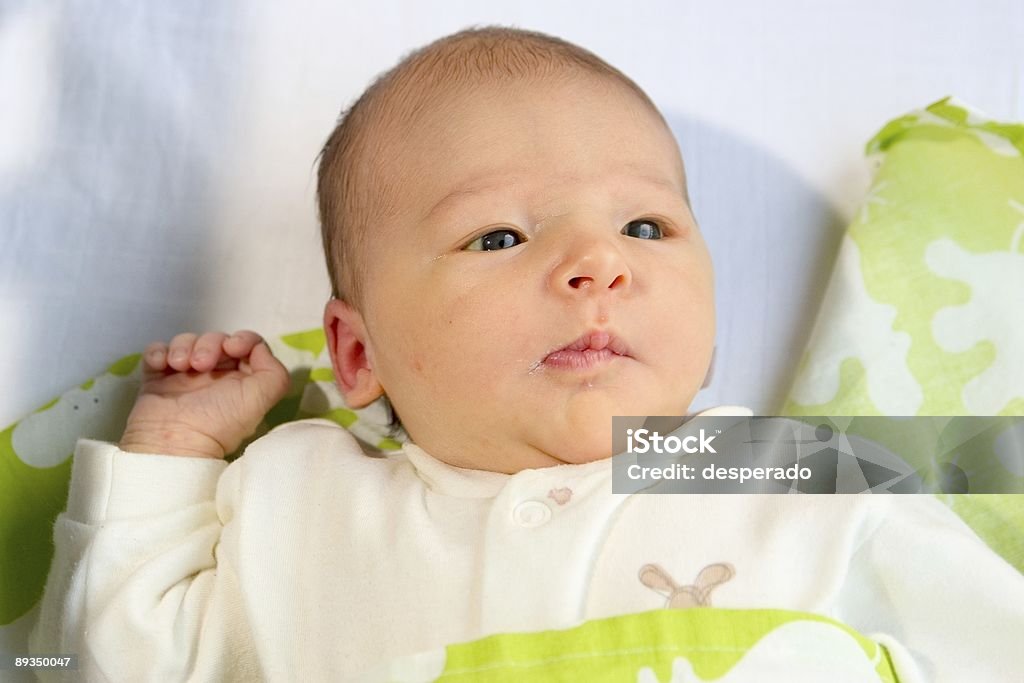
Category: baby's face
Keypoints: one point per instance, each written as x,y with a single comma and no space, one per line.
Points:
543,273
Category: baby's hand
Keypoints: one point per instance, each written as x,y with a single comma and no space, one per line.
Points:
204,395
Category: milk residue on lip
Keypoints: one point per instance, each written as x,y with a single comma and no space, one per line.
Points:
579,359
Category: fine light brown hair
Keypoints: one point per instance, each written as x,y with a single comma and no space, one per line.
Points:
353,190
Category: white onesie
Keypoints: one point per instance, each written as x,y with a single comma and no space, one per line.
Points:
308,560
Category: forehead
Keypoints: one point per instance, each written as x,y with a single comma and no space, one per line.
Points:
527,132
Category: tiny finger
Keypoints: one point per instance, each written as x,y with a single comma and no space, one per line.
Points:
155,356
181,351
241,343
206,353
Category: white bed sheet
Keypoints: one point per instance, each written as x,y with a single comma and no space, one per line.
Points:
156,159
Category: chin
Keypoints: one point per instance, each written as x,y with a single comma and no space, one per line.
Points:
581,437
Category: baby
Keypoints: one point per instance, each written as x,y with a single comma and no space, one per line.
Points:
514,261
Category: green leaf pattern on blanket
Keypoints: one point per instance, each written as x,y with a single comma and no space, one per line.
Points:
661,646
922,314
35,469
30,500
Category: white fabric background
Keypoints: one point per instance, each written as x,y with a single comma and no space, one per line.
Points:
156,159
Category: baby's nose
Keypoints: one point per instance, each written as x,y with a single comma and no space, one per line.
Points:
592,268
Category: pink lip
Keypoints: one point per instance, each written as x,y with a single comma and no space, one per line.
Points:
590,350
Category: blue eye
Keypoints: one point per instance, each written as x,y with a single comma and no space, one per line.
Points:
495,240
643,229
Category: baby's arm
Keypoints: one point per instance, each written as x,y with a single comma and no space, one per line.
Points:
142,585
934,593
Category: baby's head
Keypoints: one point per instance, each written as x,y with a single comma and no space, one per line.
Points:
513,255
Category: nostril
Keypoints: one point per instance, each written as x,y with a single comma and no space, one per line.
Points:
581,282
617,282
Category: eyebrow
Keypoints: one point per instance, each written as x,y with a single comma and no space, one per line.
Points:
485,187
455,195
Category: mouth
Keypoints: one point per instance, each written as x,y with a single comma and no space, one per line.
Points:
590,350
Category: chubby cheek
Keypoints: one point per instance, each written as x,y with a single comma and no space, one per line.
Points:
689,329
484,332
455,344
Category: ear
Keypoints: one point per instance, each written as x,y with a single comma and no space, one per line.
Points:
346,342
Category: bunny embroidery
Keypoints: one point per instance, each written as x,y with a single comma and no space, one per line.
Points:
681,597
